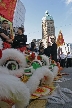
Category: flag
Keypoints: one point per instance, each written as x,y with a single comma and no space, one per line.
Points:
60,40
7,8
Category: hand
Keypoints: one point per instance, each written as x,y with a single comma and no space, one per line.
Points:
11,36
10,41
7,38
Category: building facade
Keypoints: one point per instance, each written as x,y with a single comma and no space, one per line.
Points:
19,15
48,28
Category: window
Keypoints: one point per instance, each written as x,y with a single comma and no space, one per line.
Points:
49,34
65,48
68,49
52,27
51,23
48,29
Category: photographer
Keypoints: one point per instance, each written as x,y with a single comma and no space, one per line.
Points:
19,40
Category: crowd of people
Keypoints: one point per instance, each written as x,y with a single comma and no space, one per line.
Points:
20,40
65,60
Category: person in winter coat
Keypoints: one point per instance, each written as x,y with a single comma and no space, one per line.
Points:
47,51
20,40
54,49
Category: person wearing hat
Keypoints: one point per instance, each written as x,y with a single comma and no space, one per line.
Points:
53,49
20,40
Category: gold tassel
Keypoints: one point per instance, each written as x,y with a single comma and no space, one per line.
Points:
11,32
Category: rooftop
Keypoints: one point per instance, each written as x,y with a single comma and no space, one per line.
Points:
47,16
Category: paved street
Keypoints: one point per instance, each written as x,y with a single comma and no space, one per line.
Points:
66,84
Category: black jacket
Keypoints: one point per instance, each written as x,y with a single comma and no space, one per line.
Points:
54,51
5,32
33,50
47,51
19,41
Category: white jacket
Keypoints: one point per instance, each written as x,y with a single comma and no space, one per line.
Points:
63,56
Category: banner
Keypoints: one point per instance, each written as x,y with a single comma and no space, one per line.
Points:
60,40
7,8
1,19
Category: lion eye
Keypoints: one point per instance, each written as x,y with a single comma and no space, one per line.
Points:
11,65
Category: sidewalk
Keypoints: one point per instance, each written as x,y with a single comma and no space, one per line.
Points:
66,84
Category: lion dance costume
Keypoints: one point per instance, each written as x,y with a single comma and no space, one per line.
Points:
21,74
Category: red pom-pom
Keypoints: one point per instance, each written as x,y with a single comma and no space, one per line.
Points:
33,55
0,53
22,49
6,45
39,57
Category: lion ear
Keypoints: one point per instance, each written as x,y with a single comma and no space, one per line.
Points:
0,53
